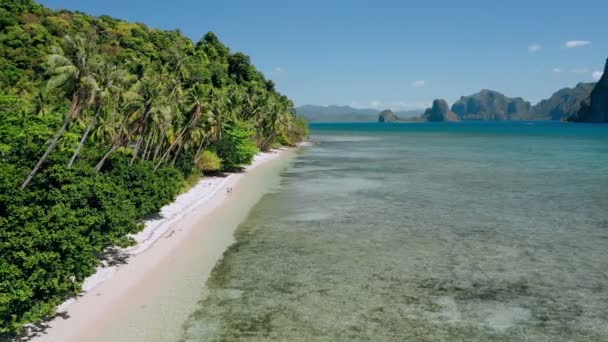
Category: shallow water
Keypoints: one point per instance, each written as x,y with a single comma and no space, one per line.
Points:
423,232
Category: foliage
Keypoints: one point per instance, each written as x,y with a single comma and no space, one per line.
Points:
236,147
109,119
52,236
209,162
299,131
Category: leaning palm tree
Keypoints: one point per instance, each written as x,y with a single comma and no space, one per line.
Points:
110,79
151,96
146,96
71,76
197,99
163,123
221,114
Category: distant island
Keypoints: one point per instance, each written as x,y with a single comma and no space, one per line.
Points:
387,116
439,112
586,102
491,105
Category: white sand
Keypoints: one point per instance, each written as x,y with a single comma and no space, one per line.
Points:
148,298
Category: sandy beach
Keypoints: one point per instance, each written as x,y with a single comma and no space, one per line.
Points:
153,293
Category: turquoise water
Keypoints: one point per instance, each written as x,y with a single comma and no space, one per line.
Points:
423,232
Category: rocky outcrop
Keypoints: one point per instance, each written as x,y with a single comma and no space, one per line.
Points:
440,111
595,108
562,104
491,105
387,116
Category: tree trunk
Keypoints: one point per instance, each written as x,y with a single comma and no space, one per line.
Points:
160,143
164,156
142,129
136,150
198,152
74,110
148,145
176,154
181,134
84,138
105,157
47,153
115,144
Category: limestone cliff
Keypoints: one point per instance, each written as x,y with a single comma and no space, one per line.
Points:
387,116
595,109
440,111
491,105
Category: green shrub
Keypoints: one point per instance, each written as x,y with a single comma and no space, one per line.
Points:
299,130
209,162
284,140
236,147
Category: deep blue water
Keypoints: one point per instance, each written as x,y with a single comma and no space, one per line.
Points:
515,128
424,232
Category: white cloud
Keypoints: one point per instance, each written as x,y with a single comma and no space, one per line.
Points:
557,70
596,75
576,43
534,48
419,84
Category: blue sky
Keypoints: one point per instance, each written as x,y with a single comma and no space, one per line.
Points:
392,54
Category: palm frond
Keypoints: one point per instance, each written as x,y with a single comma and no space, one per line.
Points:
67,70
56,60
60,81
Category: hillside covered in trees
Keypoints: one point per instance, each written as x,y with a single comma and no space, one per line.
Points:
102,122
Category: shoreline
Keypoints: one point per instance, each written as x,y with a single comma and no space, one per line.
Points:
195,215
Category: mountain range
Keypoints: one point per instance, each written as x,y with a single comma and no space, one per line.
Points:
490,105
485,105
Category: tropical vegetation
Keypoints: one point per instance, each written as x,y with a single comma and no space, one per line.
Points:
102,121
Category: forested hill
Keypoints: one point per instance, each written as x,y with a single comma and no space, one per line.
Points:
102,122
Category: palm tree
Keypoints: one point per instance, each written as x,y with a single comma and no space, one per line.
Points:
197,99
221,114
177,64
72,76
110,79
150,97
164,124
132,103
199,135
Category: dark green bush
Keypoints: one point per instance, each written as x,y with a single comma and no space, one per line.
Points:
57,231
236,147
52,234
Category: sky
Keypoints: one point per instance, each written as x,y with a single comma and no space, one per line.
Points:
392,54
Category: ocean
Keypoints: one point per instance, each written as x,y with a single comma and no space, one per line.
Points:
471,231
